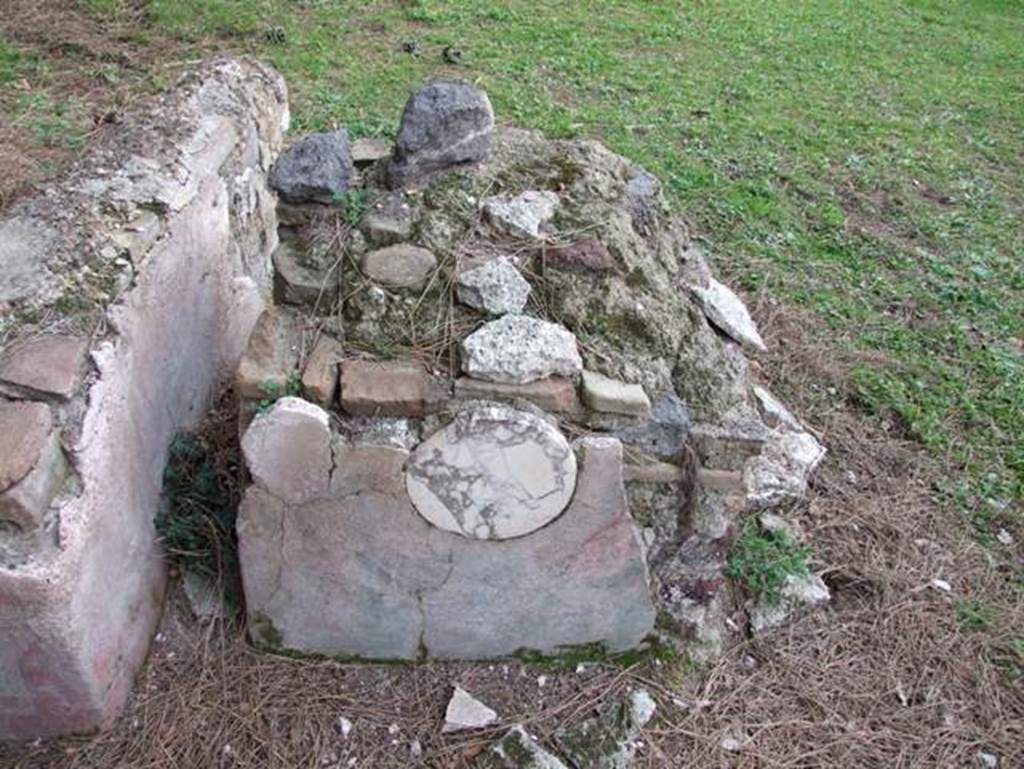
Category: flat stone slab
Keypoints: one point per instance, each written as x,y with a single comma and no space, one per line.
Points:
50,365
360,572
493,473
464,711
518,349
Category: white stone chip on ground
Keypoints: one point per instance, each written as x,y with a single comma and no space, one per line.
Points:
466,712
726,311
518,349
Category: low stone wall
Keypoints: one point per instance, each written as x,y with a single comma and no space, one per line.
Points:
127,293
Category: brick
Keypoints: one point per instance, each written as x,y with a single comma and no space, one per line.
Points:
320,376
390,389
53,364
552,394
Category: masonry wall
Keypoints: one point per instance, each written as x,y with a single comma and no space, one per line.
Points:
174,204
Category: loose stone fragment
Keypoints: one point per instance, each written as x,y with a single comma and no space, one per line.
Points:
320,377
518,750
445,123
204,596
799,593
493,473
518,349
728,445
466,712
726,311
32,464
552,394
387,227
315,169
288,450
612,396
368,150
521,216
390,389
496,288
301,285
48,365
400,266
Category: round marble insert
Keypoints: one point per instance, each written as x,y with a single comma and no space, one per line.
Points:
495,472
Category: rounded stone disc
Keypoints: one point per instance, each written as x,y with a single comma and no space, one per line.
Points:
495,472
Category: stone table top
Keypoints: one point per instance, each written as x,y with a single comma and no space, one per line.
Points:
495,472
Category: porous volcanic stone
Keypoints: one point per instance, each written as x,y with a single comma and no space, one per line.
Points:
315,169
726,311
496,288
400,266
521,216
287,450
445,123
53,365
390,389
602,393
493,473
517,349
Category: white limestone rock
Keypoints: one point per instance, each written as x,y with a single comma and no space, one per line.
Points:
288,450
726,311
494,473
614,397
521,216
496,288
517,349
779,474
466,712
800,593
772,411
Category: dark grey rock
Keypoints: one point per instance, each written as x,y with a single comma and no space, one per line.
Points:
608,740
315,169
666,432
445,123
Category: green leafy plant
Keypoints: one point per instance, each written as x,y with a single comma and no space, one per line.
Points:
762,560
353,205
196,521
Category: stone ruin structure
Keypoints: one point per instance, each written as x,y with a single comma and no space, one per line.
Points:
492,399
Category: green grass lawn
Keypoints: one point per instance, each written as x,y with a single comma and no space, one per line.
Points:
861,159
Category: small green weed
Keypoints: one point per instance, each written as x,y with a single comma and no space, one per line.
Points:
975,615
353,205
762,560
272,391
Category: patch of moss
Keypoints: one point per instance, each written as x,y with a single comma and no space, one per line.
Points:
263,633
570,657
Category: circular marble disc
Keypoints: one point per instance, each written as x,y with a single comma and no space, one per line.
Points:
494,473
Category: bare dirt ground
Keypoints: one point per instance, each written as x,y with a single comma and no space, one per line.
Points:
897,672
